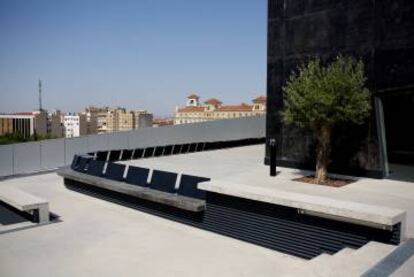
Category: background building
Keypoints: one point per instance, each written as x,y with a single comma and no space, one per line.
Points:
25,124
54,124
164,121
142,119
96,118
106,119
74,125
17,124
40,122
214,109
381,33
119,120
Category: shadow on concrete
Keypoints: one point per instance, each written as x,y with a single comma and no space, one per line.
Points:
400,172
9,216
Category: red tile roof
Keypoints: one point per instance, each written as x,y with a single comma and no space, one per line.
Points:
163,121
193,96
213,101
236,108
191,109
260,99
24,113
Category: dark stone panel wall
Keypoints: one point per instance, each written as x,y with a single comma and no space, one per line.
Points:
394,44
378,32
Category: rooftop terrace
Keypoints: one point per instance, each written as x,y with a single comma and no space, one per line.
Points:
96,237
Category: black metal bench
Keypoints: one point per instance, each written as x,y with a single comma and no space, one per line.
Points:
163,181
138,153
115,171
188,186
102,155
114,155
161,188
96,168
137,176
165,198
126,154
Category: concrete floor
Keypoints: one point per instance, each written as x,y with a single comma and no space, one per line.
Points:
99,238
245,165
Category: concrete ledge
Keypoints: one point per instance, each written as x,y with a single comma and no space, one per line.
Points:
25,202
178,201
358,213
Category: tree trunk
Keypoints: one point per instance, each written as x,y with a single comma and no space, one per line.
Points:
323,153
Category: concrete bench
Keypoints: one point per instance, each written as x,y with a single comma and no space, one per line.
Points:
174,200
344,211
25,202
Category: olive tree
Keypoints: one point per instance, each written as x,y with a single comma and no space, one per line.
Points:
319,97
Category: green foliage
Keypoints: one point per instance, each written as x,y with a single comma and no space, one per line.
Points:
324,96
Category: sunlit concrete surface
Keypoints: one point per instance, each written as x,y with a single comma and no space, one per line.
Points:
99,238
245,165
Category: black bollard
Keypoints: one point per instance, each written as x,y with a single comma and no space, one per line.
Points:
272,152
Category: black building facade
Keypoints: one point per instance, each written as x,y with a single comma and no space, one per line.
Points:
381,33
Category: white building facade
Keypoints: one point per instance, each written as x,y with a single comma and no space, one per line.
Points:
213,109
72,125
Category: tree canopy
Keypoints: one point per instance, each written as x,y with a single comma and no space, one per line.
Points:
318,95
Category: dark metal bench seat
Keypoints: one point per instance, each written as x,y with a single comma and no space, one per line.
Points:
170,199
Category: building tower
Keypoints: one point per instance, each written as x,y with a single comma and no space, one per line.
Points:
193,101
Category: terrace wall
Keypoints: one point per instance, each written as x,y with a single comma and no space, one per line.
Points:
26,158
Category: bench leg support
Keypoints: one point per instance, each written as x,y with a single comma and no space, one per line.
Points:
42,214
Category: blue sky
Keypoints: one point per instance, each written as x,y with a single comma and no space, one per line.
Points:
138,54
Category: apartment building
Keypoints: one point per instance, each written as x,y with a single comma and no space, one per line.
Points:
213,109
119,120
74,125
106,120
96,118
54,124
142,119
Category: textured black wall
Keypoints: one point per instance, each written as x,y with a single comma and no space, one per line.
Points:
378,32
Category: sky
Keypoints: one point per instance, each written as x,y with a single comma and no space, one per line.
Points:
138,54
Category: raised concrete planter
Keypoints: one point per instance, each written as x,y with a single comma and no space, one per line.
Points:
174,200
25,202
345,211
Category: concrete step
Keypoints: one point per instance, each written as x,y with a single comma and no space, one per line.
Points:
327,267
343,253
349,262
327,258
321,259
